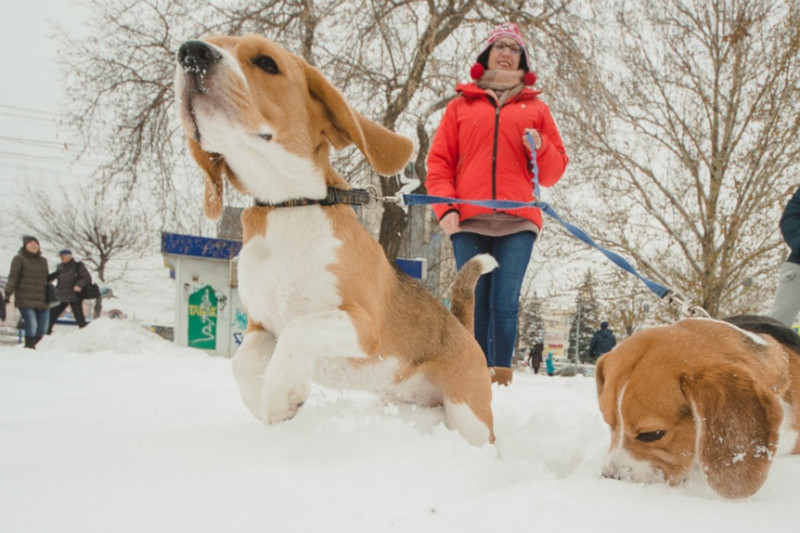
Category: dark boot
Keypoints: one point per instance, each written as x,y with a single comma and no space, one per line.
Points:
30,342
36,340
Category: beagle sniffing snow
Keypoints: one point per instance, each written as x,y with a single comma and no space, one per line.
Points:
322,300
718,395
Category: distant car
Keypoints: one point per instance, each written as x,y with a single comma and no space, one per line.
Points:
569,370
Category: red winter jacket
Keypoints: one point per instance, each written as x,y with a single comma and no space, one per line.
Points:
462,162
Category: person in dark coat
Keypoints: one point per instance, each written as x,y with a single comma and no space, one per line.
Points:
2,308
73,277
26,282
535,356
602,342
787,297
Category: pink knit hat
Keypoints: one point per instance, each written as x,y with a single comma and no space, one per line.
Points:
511,31
506,29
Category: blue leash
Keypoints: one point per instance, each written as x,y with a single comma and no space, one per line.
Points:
424,199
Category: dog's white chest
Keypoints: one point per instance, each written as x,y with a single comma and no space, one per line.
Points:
285,273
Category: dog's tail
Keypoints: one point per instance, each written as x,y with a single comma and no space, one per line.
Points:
462,304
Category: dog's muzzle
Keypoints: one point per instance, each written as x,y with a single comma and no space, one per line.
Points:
197,57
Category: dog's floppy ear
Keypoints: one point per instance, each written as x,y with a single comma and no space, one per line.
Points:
386,151
737,420
213,166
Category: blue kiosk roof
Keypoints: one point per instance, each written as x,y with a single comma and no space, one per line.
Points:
225,250
206,247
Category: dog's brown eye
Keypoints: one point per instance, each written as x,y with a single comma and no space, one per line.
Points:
267,64
650,436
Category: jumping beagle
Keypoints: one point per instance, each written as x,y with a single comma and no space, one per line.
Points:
322,300
718,396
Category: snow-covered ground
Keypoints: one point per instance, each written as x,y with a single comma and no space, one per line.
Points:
112,429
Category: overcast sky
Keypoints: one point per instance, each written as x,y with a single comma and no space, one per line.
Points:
32,144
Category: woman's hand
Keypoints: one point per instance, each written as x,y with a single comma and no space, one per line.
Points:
537,139
450,223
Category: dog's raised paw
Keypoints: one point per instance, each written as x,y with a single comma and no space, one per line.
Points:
281,406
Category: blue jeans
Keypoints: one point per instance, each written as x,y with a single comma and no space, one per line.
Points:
36,321
497,293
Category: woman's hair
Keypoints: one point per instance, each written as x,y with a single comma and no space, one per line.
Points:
483,59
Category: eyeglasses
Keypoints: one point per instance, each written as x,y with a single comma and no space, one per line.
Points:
501,47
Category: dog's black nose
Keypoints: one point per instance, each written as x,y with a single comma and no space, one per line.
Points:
196,56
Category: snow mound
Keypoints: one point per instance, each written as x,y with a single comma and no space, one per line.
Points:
110,335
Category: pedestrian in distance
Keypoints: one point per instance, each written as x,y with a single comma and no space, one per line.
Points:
73,278
550,366
481,152
27,281
2,308
603,341
787,297
535,356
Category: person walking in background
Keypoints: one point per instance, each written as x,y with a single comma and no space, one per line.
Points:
480,152
787,297
73,278
535,356
2,308
26,282
603,341
549,365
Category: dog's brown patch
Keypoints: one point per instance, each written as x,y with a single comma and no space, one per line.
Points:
731,385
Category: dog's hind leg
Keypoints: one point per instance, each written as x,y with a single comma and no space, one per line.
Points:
302,342
467,397
249,364
474,426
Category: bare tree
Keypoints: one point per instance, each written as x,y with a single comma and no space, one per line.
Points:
83,220
531,328
397,60
688,152
119,88
416,85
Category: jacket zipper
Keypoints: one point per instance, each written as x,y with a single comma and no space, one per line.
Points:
494,153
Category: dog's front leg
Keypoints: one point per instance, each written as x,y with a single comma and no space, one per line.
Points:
249,364
305,339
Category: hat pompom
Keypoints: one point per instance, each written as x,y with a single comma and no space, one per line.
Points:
476,72
529,79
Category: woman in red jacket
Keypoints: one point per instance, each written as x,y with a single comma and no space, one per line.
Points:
480,152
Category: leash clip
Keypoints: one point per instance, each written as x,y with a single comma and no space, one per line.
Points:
409,184
686,309
374,198
397,198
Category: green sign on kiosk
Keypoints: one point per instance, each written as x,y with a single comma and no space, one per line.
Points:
203,319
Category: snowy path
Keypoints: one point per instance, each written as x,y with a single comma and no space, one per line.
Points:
143,436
